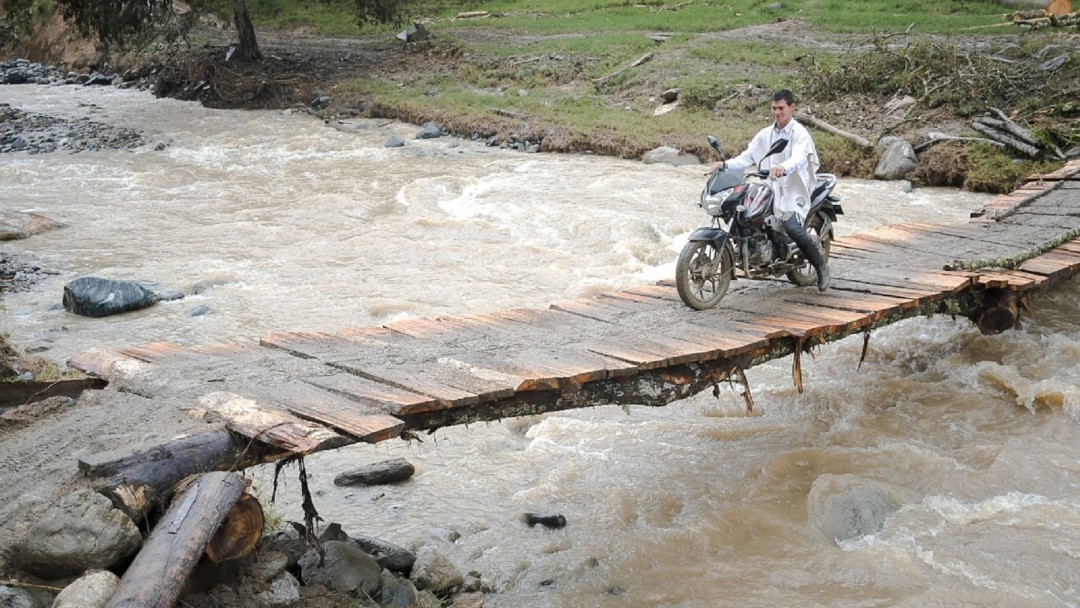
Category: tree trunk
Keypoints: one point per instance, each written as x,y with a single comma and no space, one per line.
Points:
156,577
1000,312
249,47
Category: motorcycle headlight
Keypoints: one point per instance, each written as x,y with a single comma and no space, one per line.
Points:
711,202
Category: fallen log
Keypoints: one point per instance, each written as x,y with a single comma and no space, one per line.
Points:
157,575
1011,126
819,124
239,532
141,483
600,82
937,138
1005,138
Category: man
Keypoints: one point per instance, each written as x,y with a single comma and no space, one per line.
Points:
795,171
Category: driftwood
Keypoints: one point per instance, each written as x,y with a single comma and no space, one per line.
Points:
1004,138
600,82
157,575
819,124
937,138
239,532
471,14
141,483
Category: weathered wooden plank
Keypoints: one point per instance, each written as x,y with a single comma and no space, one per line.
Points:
723,344
105,363
417,378
156,352
549,369
1071,169
873,305
659,291
592,309
269,425
372,394
363,422
993,279
315,344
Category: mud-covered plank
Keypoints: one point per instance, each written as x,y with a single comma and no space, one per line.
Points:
372,394
591,308
315,345
360,421
548,369
448,388
660,292
105,363
873,305
155,352
270,425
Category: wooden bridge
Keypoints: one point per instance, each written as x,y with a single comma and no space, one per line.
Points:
301,392
295,393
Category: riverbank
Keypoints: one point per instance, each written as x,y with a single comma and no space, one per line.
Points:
624,91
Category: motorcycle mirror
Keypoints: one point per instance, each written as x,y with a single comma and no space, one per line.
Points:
715,144
778,146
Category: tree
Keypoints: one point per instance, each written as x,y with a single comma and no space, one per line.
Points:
121,22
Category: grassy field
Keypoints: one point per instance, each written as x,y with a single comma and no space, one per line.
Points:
555,72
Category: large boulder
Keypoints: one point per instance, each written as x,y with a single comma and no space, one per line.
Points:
16,225
897,160
434,572
389,555
81,532
91,590
97,297
342,567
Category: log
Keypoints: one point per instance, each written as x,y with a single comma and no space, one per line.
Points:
1012,127
1005,138
141,483
157,575
239,532
821,125
1000,311
599,82
937,138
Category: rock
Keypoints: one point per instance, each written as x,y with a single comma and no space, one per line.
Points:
91,590
774,6
394,142
669,155
467,600
97,297
548,520
414,33
845,507
284,591
163,294
446,535
268,565
430,130
345,568
81,532
670,95
15,225
14,597
434,572
199,311
397,592
899,104
1055,63
897,160
389,555
387,471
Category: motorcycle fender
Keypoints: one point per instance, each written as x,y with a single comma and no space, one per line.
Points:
718,236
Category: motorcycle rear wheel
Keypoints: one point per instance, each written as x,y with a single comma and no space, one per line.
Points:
703,274
805,275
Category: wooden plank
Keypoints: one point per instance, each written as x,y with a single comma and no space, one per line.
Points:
416,378
357,420
315,344
547,369
270,425
650,351
592,309
660,292
372,394
105,363
723,344
873,305
156,352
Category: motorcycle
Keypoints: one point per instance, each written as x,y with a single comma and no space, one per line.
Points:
744,234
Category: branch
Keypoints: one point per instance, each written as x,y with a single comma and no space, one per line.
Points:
1004,138
817,123
599,82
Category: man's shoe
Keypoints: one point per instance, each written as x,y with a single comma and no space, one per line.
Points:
823,278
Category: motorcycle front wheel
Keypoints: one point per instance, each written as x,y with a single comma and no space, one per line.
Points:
805,275
703,274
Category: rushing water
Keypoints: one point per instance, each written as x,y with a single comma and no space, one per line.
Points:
945,471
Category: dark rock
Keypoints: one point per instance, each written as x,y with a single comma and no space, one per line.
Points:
388,471
430,130
343,567
97,297
199,311
548,520
394,142
670,95
389,555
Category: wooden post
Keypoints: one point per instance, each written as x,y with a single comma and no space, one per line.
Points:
157,575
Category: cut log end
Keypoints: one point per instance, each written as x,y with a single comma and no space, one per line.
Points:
239,532
1000,312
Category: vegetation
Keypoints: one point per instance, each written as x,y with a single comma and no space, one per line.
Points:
562,73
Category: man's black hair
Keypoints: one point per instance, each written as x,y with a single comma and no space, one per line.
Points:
785,95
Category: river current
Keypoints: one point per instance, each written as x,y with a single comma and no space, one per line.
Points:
943,472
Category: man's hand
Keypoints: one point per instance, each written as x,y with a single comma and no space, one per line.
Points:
713,168
777,172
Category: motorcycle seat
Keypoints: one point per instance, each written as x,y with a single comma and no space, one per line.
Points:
825,182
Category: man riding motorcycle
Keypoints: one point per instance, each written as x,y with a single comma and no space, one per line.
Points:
794,169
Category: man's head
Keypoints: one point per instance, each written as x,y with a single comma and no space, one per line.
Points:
783,107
